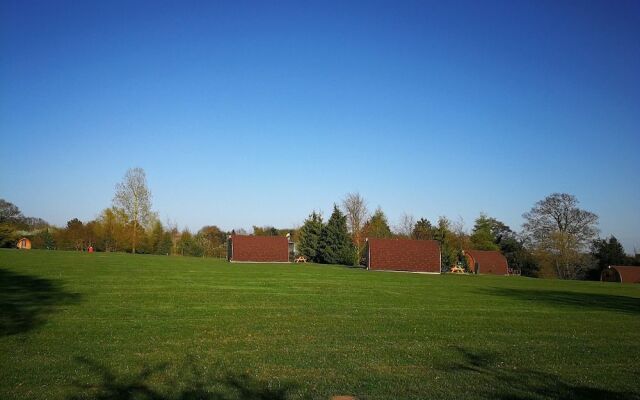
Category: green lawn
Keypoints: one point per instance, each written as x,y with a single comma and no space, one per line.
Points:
116,326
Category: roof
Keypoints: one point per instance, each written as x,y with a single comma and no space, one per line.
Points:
404,255
628,274
489,261
260,248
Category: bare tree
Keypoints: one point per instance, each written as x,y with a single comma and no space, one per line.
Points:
559,228
406,225
133,197
355,208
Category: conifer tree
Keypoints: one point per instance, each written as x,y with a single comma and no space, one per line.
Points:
310,237
378,226
335,245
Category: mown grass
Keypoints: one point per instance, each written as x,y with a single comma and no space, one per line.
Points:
116,326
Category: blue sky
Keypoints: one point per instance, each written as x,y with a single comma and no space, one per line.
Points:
256,113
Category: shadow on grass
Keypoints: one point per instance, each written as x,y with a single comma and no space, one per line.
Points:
156,383
26,300
593,301
492,378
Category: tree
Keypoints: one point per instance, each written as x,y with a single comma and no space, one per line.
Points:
75,235
10,217
482,236
133,197
43,240
378,226
355,208
8,236
9,212
213,240
157,239
560,231
607,252
335,245
422,230
453,240
406,225
309,237
265,231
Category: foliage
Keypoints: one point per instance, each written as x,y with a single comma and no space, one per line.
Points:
560,231
453,240
405,226
13,224
8,235
9,213
43,239
355,208
422,230
378,226
134,199
335,246
265,231
607,252
309,237
482,236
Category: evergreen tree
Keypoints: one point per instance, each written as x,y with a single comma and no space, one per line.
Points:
156,237
607,252
310,233
422,230
378,226
335,245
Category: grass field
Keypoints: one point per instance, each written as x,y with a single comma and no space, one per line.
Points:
116,326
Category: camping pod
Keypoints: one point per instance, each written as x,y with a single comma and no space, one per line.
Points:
487,262
241,248
622,274
24,243
403,255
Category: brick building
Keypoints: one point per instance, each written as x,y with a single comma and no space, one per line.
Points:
403,255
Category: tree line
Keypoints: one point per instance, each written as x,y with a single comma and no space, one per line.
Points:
558,237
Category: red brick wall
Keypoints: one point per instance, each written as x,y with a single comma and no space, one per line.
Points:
260,248
490,262
404,255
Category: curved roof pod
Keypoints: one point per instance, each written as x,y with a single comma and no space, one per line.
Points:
619,273
403,255
24,243
487,262
258,248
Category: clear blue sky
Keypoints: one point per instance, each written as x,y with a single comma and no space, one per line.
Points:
248,113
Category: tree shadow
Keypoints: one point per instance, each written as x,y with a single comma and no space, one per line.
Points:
26,300
593,301
156,383
498,380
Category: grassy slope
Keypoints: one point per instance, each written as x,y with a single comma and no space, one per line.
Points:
118,326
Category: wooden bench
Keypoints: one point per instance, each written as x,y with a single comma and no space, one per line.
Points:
301,259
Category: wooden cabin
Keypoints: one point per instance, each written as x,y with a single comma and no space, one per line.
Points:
24,243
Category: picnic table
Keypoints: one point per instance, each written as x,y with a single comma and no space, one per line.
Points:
300,259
